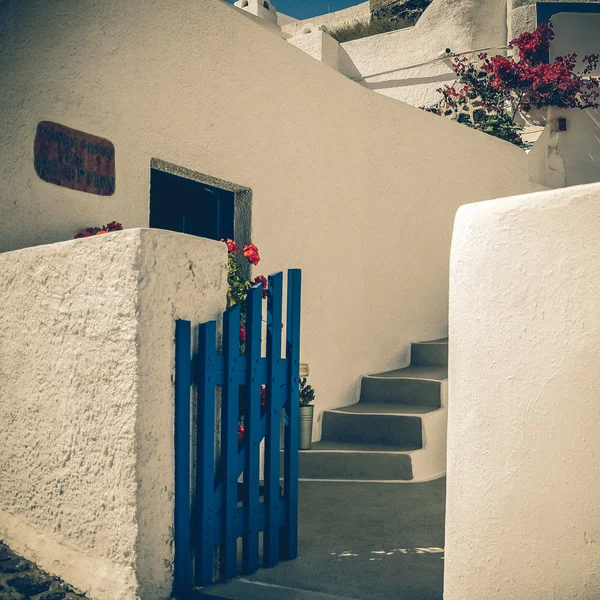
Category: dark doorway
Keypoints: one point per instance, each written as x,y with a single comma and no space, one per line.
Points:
188,206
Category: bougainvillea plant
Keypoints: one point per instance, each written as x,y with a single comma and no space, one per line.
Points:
90,231
491,92
238,284
237,293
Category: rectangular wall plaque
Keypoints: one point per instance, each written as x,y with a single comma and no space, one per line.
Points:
74,159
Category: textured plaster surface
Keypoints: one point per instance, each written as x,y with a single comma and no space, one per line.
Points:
522,513
181,277
461,25
357,190
520,20
321,46
86,402
571,157
522,16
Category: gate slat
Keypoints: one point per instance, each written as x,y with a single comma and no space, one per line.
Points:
272,440
292,409
253,433
205,461
182,560
217,519
231,352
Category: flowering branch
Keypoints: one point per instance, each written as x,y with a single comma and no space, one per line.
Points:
90,231
490,92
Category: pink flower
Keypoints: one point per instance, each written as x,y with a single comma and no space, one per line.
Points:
263,396
262,279
242,334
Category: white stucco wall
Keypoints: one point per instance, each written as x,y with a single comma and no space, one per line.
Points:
522,15
354,188
86,402
461,25
571,157
522,512
322,47
257,7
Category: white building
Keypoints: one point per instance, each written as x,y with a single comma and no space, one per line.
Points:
180,115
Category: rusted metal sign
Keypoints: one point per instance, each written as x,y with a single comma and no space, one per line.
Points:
74,159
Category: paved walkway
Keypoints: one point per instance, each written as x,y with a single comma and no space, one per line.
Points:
20,579
358,541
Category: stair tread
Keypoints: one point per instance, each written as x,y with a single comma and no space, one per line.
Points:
441,341
414,372
384,408
332,446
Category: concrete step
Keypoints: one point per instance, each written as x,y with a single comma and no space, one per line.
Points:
416,385
330,460
371,423
434,353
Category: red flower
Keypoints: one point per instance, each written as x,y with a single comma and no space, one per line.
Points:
89,231
242,334
262,279
231,246
240,434
251,253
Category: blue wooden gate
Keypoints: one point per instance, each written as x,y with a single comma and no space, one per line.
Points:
220,495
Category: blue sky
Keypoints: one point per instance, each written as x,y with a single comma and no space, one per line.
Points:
303,9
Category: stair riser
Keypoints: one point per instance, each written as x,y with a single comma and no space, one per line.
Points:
429,355
416,392
355,465
387,430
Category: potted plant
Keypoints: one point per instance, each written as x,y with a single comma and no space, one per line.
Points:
307,395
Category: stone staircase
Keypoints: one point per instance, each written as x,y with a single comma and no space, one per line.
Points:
396,432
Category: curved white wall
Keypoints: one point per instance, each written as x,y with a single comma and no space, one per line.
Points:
522,515
357,190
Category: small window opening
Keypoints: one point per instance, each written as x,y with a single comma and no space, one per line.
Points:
245,3
188,206
266,5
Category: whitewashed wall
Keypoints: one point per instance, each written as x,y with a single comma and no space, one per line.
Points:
522,15
571,157
522,516
461,25
354,188
86,402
